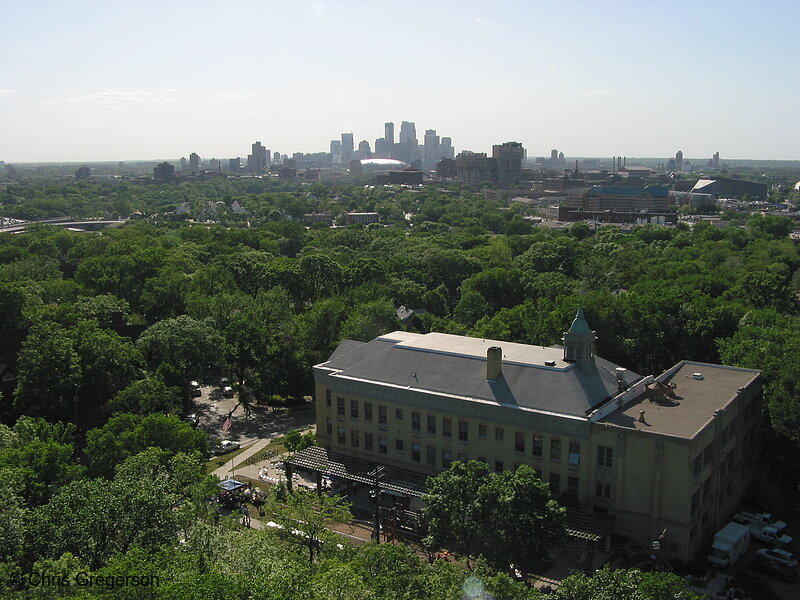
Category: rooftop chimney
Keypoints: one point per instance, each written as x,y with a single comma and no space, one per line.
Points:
621,378
641,417
494,363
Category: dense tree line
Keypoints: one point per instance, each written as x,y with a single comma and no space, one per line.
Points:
269,301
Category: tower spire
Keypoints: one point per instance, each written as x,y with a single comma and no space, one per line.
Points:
579,343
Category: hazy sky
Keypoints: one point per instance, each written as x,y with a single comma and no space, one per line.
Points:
108,80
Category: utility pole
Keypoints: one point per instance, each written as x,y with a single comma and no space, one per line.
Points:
375,493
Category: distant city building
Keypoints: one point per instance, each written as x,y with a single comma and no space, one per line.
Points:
362,217
472,167
715,160
276,157
83,172
509,157
447,168
388,134
347,146
447,148
182,163
382,148
432,150
405,177
258,159
234,165
679,160
730,188
364,150
336,152
194,163
163,172
312,218
617,198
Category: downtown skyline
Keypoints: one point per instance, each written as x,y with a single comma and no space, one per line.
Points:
87,82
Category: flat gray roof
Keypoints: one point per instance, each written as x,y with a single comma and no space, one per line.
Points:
454,365
694,402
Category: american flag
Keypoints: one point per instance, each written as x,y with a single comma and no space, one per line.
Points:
227,425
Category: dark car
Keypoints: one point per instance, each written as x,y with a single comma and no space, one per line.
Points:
775,569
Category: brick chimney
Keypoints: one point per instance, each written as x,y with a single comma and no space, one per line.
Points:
494,363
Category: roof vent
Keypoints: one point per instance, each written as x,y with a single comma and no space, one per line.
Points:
550,363
494,363
697,375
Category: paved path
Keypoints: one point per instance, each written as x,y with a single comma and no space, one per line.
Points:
227,469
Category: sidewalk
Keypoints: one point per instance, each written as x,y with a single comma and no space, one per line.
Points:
226,470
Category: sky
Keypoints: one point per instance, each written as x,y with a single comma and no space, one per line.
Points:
109,80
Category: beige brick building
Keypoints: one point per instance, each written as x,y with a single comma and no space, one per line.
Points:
673,452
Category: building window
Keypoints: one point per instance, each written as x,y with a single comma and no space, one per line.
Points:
368,441
555,449
367,411
603,490
538,446
482,430
415,452
398,445
398,414
447,459
329,426
354,438
328,398
431,455
482,459
432,424
519,442
381,415
499,434
463,429
462,456
354,408
447,428
574,453
383,445
498,466
555,484
572,484
342,434
605,456
340,406
414,421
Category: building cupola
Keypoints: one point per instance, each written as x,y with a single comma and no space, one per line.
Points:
579,343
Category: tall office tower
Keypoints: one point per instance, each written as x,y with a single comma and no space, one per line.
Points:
561,158
553,156
447,148
382,148
183,163
258,161
336,152
509,157
388,134
347,146
408,133
194,163
364,149
679,159
234,165
715,160
431,151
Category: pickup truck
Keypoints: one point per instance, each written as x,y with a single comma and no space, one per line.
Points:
769,534
763,519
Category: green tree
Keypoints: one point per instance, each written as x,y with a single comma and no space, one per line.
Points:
506,517
624,585
147,396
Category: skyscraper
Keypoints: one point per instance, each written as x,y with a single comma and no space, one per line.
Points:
509,157
679,159
447,148
336,152
388,134
363,149
347,146
432,153
258,161
408,133
194,163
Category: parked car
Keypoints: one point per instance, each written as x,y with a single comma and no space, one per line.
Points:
777,555
196,389
226,446
227,391
769,534
764,519
775,569
193,418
